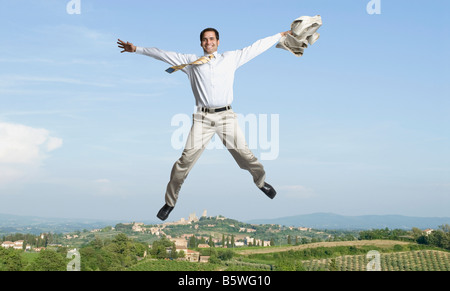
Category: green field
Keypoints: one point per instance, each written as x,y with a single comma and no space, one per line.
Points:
425,260
394,256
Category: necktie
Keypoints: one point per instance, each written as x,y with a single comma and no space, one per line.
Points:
200,61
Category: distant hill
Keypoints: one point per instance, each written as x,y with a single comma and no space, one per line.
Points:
336,221
35,225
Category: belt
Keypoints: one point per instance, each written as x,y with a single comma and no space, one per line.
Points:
214,110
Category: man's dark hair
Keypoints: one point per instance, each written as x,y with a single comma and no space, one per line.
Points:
209,29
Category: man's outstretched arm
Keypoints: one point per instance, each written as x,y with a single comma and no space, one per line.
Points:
250,52
171,58
126,46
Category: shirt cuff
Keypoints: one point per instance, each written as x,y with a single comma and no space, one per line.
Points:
139,50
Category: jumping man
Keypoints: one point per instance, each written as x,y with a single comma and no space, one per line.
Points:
211,77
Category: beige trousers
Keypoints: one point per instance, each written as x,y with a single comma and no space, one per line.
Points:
204,126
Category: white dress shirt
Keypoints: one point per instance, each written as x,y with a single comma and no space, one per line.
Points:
212,83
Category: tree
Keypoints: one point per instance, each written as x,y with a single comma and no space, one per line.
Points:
49,260
181,254
139,249
192,242
439,238
115,254
97,243
224,255
202,240
121,244
11,260
416,233
106,228
173,252
446,237
159,248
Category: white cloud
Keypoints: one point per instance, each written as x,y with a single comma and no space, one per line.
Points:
23,149
53,143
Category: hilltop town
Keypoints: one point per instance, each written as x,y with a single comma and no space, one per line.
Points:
215,231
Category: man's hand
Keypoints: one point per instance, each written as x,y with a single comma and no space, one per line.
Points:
126,46
286,33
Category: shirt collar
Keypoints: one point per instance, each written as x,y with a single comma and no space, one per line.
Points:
214,53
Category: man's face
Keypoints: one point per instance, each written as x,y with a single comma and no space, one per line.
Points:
209,42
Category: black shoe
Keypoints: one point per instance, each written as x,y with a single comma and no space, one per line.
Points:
164,212
268,190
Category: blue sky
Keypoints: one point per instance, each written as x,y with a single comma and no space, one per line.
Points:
364,118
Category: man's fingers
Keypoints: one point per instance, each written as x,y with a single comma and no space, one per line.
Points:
125,46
